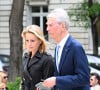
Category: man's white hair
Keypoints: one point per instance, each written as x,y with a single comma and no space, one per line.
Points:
60,15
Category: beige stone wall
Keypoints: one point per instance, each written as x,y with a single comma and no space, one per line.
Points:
5,7
79,32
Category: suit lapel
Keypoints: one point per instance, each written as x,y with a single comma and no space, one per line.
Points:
64,52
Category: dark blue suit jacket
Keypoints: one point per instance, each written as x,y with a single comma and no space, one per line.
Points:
73,69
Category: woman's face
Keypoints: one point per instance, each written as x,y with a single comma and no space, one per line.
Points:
4,78
32,42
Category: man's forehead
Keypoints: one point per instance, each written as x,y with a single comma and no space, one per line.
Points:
51,20
93,77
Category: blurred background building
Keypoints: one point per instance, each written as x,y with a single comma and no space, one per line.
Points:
35,12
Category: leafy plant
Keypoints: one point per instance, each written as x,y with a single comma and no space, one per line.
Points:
14,85
82,12
94,10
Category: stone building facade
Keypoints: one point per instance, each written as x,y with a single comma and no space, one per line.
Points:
35,12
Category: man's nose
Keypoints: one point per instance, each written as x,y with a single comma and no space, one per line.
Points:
47,28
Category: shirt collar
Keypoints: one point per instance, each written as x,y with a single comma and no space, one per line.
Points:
63,41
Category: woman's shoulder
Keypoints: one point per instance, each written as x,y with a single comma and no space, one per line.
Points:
47,56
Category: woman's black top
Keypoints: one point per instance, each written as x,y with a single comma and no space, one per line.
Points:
35,69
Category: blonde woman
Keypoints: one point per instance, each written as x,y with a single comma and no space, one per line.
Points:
3,80
37,64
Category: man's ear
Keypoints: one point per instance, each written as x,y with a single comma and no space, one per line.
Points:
63,25
97,81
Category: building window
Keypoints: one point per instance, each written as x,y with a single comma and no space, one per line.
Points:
39,14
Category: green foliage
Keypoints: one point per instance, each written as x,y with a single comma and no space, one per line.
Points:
94,10
82,12
14,85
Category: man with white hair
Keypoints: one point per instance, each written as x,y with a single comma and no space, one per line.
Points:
71,64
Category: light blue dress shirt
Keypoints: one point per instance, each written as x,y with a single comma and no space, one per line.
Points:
61,45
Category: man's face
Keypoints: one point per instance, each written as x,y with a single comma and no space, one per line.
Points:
93,81
53,28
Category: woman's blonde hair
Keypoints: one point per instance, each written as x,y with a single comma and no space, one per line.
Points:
36,30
